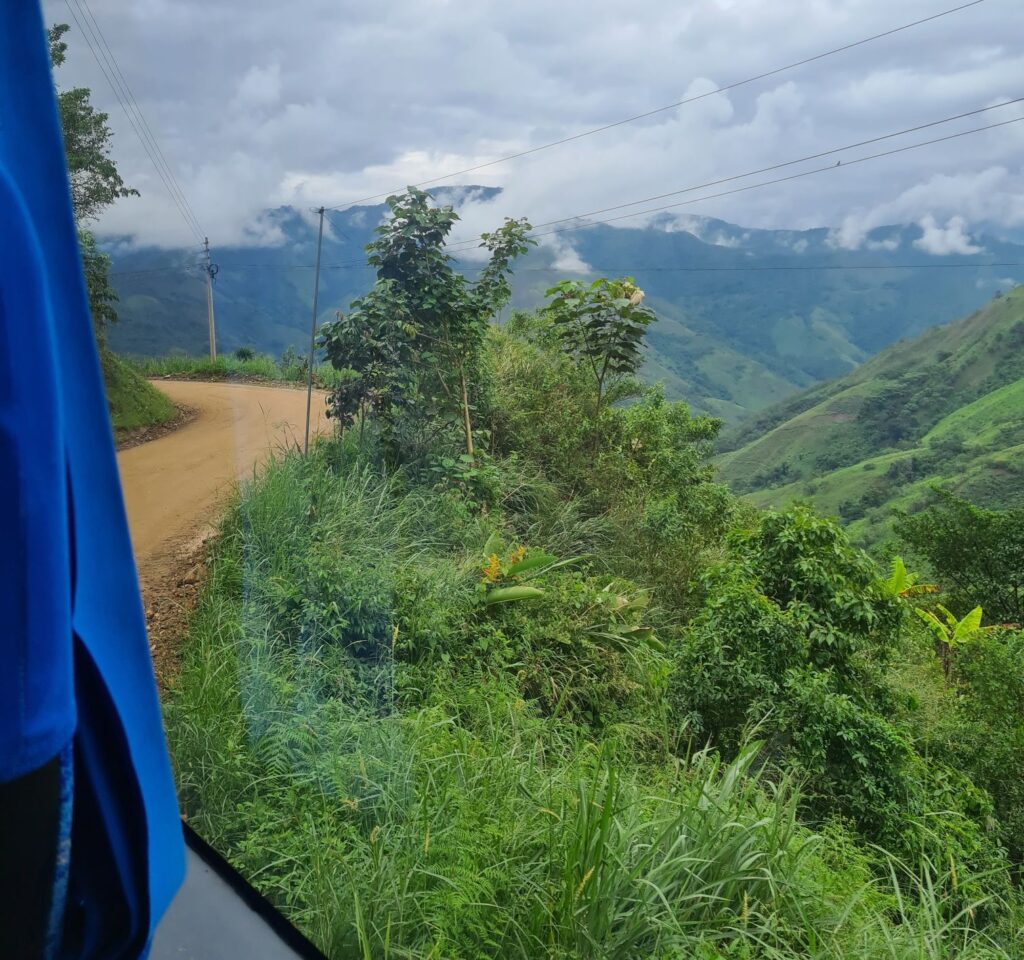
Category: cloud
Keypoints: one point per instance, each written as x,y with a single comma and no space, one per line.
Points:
996,283
335,100
259,87
721,239
889,244
992,194
942,241
566,258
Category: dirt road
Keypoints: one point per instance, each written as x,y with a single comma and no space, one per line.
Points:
175,486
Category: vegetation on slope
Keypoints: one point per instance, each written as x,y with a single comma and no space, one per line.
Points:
946,408
95,184
134,403
736,334
244,363
557,694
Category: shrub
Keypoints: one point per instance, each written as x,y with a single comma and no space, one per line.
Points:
794,640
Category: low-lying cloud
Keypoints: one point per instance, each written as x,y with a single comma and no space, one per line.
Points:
257,106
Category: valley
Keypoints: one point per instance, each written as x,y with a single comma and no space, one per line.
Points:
944,408
748,317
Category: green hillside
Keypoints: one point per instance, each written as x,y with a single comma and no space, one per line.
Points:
748,317
134,402
946,407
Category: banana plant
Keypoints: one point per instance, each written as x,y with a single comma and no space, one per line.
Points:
950,633
904,584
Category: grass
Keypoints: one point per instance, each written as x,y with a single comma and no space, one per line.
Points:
427,809
979,423
259,366
133,402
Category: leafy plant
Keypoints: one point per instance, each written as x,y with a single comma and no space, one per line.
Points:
501,576
952,634
414,340
904,584
602,323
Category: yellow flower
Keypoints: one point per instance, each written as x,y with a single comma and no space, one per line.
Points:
492,571
517,555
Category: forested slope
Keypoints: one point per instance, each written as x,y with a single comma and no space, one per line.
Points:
946,407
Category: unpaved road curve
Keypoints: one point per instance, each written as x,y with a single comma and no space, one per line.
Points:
175,486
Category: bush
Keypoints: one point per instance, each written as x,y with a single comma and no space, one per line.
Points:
980,729
976,555
794,641
641,462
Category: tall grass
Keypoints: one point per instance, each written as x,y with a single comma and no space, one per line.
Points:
455,820
133,403
228,365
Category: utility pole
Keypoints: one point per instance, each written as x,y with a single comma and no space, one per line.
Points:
211,271
312,330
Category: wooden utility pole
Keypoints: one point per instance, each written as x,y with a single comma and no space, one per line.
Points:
312,330
211,271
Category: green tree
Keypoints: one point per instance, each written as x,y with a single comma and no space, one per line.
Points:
412,345
793,635
984,732
102,296
976,555
95,182
374,348
602,323
796,640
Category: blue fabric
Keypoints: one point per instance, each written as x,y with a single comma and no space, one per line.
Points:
73,650
37,707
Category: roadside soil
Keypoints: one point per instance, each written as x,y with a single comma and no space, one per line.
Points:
126,439
176,486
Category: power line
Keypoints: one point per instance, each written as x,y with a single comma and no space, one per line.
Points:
787,163
642,268
622,271
669,106
143,130
754,186
334,225
118,84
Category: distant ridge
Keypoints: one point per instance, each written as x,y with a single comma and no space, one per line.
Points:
946,407
737,334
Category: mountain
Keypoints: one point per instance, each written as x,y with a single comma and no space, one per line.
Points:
748,316
945,407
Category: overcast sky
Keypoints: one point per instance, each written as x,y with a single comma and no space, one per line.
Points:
259,104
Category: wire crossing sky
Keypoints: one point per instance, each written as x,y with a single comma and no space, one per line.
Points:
591,103
671,106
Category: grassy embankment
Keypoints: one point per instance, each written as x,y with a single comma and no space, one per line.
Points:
133,402
463,822
259,366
